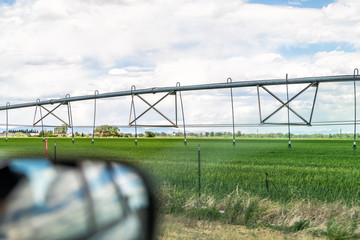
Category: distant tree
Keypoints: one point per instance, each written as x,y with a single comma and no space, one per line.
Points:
61,130
149,134
107,131
45,134
20,134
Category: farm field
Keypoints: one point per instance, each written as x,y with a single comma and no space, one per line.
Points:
324,170
314,186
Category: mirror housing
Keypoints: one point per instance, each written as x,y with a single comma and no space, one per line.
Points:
41,199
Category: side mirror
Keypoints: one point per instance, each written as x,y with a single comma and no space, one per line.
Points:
40,199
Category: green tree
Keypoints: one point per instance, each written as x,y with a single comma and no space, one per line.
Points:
149,134
61,130
20,134
107,131
45,134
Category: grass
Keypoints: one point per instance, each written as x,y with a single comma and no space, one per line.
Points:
307,185
325,170
185,228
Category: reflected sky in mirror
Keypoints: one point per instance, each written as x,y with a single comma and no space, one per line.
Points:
53,198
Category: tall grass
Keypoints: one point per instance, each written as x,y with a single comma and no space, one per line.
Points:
306,186
321,170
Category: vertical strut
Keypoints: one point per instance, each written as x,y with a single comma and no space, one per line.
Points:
182,110
93,133
70,118
313,106
356,72
258,93
42,123
288,109
7,121
232,108
176,112
133,88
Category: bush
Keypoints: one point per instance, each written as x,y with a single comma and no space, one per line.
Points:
149,134
341,230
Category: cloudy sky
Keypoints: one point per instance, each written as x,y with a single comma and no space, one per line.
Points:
52,48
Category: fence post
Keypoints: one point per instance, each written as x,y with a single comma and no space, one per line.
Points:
46,147
199,172
55,151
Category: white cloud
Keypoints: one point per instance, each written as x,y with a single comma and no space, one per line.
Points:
51,48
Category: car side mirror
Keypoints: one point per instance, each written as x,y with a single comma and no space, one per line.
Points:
40,199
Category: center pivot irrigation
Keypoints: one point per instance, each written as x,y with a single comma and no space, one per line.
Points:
178,89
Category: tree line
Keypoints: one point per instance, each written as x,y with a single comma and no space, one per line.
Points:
113,131
26,131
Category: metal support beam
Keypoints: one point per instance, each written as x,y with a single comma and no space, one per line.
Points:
182,110
151,106
70,124
313,106
286,104
133,88
50,112
70,118
93,133
340,78
232,111
288,110
258,94
42,122
311,81
7,121
356,73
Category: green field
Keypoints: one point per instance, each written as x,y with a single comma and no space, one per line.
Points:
321,170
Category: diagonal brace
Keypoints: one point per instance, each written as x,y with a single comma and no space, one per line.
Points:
152,106
51,112
287,103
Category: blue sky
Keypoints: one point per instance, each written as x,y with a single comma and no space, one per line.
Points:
8,2
295,3
313,48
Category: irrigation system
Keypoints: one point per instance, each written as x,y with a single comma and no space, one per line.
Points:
41,106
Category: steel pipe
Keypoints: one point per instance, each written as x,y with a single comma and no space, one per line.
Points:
339,78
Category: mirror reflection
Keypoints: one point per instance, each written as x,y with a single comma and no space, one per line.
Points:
40,199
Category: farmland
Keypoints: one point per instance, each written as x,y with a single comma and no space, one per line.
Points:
315,183
325,170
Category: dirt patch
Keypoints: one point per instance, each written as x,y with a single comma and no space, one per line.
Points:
170,227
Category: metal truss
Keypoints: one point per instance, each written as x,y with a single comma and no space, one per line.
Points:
151,106
287,103
241,84
51,112
177,90
133,118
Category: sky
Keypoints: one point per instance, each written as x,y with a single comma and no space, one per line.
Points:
52,48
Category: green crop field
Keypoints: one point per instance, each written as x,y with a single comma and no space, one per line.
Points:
324,170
